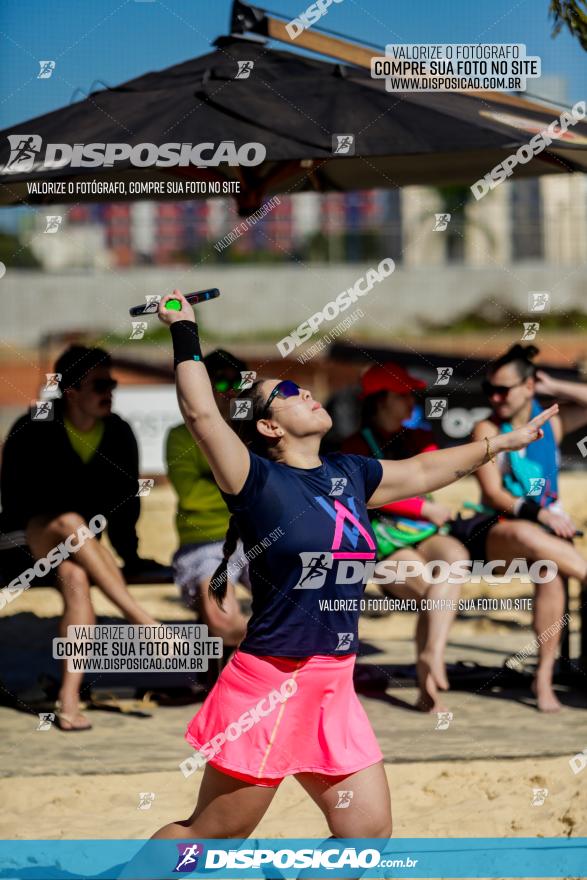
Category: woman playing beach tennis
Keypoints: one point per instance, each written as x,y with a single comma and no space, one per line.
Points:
285,703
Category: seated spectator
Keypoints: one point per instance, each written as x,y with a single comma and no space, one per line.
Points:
409,530
59,473
202,515
522,489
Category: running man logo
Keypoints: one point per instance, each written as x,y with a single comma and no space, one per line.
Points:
24,149
42,411
52,383
46,719
539,301
343,144
441,222
189,853
436,407
145,487
241,409
345,641
443,720
46,69
152,303
578,762
146,799
539,795
338,485
344,800
247,379
53,223
244,69
444,374
315,567
530,331
537,484
138,329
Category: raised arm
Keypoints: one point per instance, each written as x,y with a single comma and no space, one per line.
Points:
494,494
227,455
433,470
573,400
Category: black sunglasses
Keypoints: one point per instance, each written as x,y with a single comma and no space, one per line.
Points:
490,389
284,389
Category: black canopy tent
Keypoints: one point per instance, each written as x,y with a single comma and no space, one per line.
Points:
292,105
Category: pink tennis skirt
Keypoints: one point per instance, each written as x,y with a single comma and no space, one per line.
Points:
271,717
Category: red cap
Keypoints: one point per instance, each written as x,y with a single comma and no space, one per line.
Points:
389,377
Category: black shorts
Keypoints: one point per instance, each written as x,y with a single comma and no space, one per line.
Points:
473,532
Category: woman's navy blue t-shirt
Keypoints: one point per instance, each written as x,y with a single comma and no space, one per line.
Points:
303,530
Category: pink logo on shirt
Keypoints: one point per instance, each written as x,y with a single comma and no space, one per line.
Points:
342,514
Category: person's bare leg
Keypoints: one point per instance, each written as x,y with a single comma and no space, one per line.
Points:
421,632
548,609
369,812
440,620
226,808
416,588
518,539
227,623
77,611
96,561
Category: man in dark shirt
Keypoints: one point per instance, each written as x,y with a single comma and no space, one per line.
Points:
60,472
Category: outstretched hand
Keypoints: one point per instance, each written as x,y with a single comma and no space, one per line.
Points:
522,437
169,316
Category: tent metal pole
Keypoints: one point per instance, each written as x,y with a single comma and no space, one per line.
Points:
253,19
247,19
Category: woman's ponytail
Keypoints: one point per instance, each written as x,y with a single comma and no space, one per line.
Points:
219,583
522,356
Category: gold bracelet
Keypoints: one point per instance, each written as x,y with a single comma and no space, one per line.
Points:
490,455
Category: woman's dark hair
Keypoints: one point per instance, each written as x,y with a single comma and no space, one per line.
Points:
521,356
220,359
247,431
76,362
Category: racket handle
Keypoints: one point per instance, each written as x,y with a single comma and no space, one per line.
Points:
202,296
198,296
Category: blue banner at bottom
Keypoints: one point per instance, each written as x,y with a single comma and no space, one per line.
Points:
260,858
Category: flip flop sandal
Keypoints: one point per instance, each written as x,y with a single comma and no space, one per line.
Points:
61,717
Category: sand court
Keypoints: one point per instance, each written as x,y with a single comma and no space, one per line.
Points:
475,774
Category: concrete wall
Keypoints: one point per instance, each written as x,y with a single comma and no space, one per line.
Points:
266,299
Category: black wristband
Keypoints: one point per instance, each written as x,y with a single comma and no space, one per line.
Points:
529,510
186,342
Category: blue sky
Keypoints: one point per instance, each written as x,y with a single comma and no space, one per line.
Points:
115,40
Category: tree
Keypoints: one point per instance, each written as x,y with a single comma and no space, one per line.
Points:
573,14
